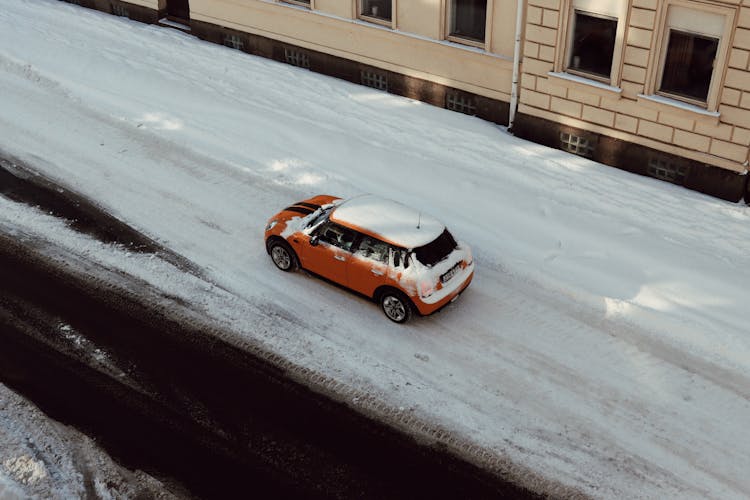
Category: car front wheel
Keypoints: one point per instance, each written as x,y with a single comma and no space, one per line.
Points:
396,306
283,256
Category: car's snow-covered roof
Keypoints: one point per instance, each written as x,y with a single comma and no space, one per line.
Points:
391,221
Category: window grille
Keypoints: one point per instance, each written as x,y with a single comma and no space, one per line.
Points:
297,58
375,80
119,10
234,41
461,102
575,144
662,168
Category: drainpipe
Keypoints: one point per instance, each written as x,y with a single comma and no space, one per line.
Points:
516,65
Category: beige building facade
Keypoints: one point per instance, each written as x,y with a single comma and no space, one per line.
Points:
656,87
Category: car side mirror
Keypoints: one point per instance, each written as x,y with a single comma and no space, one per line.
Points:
314,240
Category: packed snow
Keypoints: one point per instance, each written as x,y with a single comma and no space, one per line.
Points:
604,343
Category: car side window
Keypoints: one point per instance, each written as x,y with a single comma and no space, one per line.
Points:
336,235
399,257
371,248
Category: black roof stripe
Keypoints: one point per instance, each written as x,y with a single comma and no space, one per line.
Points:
308,205
300,210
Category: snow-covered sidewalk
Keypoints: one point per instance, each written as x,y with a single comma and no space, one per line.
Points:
605,342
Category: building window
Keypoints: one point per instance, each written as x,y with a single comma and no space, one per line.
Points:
234,41
304,3
689,65
593,44
468,19
375,80
376,9
593,37
692,50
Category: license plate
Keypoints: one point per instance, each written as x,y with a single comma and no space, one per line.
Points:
451,273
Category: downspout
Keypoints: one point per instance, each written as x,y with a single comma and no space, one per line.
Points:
516,65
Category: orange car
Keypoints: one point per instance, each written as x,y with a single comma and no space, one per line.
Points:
403,259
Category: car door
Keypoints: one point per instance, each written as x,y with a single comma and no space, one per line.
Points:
328,252
368,266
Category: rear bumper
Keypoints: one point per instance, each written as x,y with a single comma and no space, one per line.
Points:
425,309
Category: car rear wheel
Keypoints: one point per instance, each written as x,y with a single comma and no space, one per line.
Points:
396,306
283,256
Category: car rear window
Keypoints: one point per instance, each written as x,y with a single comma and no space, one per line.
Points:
435,251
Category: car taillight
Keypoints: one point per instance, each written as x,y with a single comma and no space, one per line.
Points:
426,289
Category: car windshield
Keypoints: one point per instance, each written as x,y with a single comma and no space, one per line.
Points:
319,216
432,253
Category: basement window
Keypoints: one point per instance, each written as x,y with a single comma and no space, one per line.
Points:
462,103
662,168
375,80
234,42
297,58
119,10
576,144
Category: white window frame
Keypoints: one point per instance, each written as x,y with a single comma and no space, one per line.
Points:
608,9
697,23
376,20
489,9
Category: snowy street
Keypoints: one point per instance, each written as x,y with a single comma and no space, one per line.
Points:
604,344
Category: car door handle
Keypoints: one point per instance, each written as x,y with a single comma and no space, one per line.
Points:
376,272
339,257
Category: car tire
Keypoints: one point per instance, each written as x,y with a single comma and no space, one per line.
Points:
283,256
396,306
